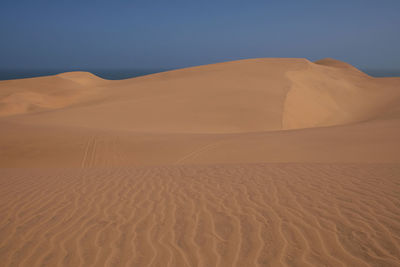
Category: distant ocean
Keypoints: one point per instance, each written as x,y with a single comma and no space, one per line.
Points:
382,73
125,74
105,74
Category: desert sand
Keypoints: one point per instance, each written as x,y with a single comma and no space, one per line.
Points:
259,162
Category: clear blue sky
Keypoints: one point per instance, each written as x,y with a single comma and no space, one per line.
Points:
171,34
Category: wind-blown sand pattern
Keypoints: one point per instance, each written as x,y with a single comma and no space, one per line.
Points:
266,162
221,215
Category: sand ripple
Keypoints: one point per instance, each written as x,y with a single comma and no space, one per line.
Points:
219,215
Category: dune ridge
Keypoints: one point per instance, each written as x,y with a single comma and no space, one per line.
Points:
260,162
240,96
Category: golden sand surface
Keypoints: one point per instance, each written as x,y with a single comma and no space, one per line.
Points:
260,162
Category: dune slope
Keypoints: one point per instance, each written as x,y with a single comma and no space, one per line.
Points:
261,162
234,97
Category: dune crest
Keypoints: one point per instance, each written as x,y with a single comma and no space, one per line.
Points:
331,62
233,97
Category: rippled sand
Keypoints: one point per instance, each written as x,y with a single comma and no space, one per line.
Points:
221,215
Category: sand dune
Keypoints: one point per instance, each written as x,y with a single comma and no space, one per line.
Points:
261,162
234,97
46,93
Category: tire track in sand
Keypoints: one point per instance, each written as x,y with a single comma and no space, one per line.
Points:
89,154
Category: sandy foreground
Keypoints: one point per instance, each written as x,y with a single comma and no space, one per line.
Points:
262,162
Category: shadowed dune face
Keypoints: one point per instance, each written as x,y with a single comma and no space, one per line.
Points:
263,162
